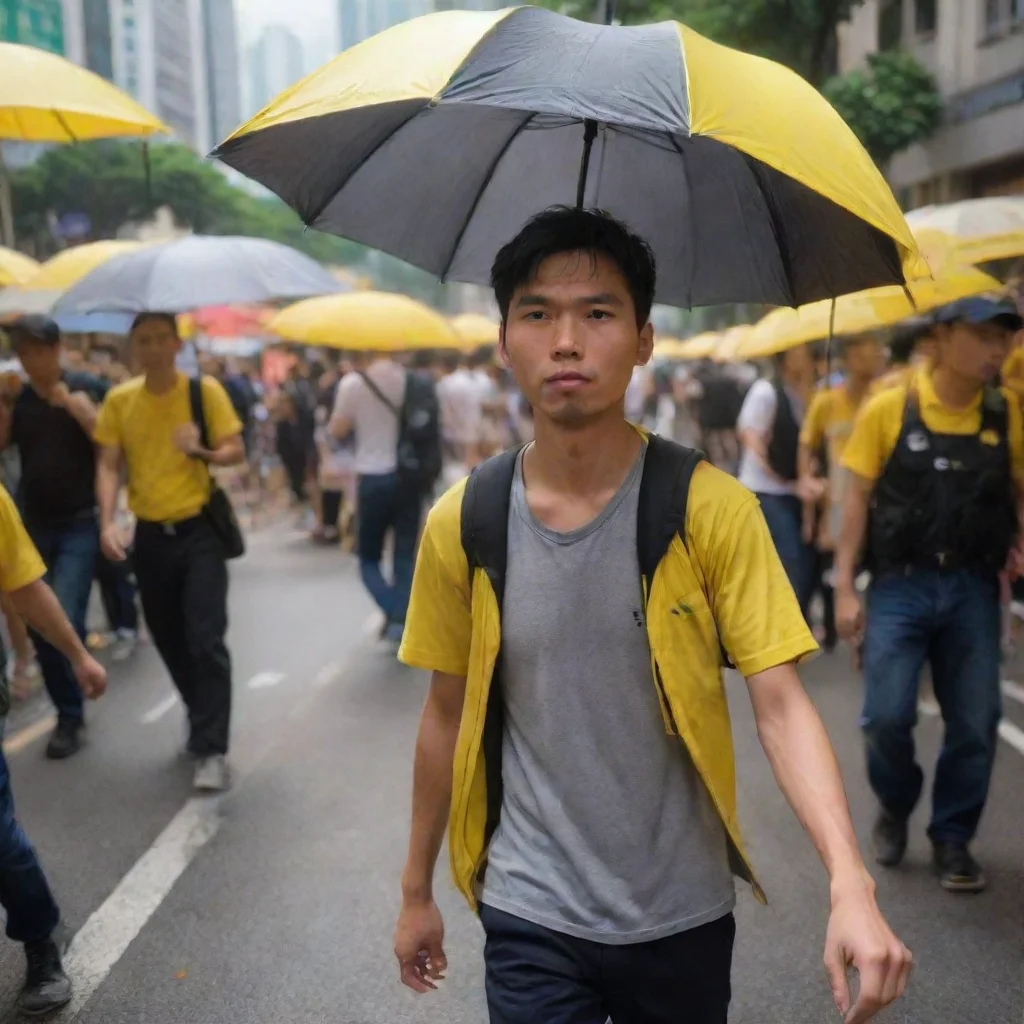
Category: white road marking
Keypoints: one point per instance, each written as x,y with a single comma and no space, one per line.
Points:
929,707
262,680
110,930
23,737
1013,690
154,714
327,675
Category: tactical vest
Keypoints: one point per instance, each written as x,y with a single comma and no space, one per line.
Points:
945,500
785,440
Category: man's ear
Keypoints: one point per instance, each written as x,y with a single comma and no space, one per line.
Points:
646,347
503,347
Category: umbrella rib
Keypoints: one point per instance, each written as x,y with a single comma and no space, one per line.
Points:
693,233
61,120
513,135
784,256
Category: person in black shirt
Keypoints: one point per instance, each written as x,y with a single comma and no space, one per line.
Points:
51,424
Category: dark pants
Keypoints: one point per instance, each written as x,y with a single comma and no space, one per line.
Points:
330,509
183,582
784,515
117,589
384,504
538,976
952,620
70,553
25,895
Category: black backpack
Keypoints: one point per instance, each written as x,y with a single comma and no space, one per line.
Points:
419,431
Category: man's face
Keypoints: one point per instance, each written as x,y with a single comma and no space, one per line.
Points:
864,357
40,361
571,338
975,352
799,360
156,345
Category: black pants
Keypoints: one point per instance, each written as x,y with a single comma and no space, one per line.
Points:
538,976
183,582
330,509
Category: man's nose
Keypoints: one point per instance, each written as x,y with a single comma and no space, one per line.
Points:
566,339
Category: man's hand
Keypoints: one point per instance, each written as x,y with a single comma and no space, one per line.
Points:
112,543
858,937
419,940
186,439
91,676
849,614
60,395
811,489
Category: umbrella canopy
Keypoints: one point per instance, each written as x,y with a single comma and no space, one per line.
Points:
15,267
365,321
667,348
863,312
700,346
476,331
198,271
225,322
45,98
439,138
977,230
728,349
41,291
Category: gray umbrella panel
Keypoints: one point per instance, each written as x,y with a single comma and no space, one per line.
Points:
195,272
444,184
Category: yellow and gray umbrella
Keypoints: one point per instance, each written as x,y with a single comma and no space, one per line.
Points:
476,330
439,138
15,267
975,230
862,312
365,322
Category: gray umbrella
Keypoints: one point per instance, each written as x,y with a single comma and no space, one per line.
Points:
195,272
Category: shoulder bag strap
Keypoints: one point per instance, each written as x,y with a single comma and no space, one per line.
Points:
379,394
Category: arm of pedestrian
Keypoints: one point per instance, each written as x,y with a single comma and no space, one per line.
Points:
108,484
230,451
804,764
37,604
849,549
339,427
84,411
6,420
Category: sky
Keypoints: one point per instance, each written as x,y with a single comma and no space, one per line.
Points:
312,20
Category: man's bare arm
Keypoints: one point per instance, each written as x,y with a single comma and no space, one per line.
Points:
108,482
853,531
229,452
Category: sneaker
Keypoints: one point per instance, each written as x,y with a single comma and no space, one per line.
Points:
890,839
212,774
65,741
958,870
125,644
47,987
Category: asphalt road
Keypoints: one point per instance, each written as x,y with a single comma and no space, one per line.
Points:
276,902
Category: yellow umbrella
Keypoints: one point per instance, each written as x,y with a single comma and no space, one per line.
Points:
57,275
475,330
365,321
862,312
667,348
730,345
15,267
972,230
700,346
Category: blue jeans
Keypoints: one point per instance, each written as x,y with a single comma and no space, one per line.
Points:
952,620
25,895
384,504
784,516
70,555
537,976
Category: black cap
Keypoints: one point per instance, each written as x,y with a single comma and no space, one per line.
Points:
34,327
982,309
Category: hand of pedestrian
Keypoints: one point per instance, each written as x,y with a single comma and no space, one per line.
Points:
849,615
60,395
91,676
112,543
859,937
419,945
810,489
186,439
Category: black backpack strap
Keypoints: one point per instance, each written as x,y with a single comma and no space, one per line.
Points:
195,399
995,413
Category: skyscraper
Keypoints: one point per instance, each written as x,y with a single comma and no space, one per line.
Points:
276,61
360,19
220,33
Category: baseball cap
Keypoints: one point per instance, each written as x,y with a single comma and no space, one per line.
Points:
34,327
981,309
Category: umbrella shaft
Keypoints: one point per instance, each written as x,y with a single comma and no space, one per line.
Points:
589,134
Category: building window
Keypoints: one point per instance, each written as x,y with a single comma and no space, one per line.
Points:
890,24
926,17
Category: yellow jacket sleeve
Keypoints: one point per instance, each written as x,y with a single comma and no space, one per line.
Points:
20,563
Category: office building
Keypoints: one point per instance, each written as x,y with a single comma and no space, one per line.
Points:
34,23
220,35
276,61
88,39
360,19
975,50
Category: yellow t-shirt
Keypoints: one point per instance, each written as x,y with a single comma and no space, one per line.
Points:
754,607
20,563
897,377
1013,372
879,423
163,485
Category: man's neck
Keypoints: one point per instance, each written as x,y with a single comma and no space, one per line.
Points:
161,381
954,391
798,383
585,460
43,387
857,388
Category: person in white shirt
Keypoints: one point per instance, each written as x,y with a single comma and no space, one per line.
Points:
369,403
457,394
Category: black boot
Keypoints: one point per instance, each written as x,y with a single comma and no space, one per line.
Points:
66,740
47,987
890,839
958,871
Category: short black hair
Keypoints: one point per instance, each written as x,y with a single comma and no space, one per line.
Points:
34,327
168,318
905,339
569,229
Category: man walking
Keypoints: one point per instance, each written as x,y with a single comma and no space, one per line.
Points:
32,913
576,733
937,476
147,426
51,425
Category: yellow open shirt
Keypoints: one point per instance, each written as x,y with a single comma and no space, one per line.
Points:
164,486
726,582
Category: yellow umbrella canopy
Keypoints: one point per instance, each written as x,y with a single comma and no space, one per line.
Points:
366,322
730,344
667,348
700,346
45,98
439,138
972,230
42,289
862,312
476,330
15,267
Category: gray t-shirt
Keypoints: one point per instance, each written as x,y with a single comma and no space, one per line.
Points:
606,831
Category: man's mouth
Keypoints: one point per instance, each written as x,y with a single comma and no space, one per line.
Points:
567,380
